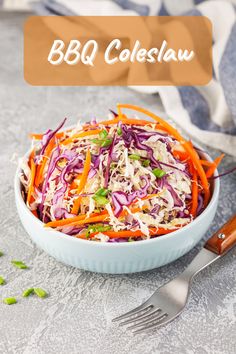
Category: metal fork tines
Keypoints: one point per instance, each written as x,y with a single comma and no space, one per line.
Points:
168,301
144,317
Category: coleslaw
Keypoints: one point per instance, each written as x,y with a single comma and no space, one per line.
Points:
119,180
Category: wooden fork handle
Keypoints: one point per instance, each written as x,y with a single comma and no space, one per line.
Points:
224,239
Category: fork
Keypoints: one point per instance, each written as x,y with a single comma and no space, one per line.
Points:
169,301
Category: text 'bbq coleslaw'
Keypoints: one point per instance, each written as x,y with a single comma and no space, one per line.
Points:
118,180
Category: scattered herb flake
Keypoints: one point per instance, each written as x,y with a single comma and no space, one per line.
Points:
1,253
27,292
2,281
10,300
40,292
19,264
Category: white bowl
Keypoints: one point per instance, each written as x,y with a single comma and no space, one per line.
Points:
127,257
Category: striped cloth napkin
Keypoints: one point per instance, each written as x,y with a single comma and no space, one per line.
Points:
207,113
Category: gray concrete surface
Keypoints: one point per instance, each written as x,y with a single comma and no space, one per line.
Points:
76,317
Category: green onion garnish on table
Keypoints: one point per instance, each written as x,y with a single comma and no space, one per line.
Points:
19,264
10,300
40,292
27,292
2,281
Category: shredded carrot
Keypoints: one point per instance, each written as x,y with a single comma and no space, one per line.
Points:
200,170
181,155
40,168
83,217
169,128
81,135
212,169
63,222
31,157
89,220
35,213
207,163
84,176
125,234
92,220
126,121
129,234
32,178
76,206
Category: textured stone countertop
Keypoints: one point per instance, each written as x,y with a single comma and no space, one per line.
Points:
76,317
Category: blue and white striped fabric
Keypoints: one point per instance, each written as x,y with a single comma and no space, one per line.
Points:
207,113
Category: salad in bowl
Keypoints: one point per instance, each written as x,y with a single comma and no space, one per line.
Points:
118,180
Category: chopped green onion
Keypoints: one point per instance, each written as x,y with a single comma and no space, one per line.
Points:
158,172
40,292
100,195
103,134
1,253
102,192
106,143
27,292
2,281
100,199
9,300
119,131
97,228
134,157
102,142
19,264
146,163
96,141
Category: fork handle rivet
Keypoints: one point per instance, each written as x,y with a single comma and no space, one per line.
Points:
221,236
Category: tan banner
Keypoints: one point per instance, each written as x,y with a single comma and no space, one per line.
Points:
117,50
